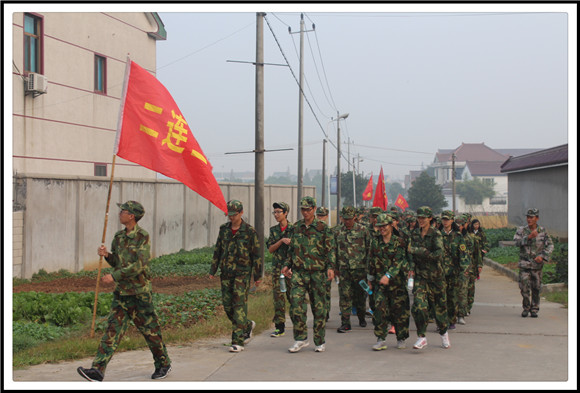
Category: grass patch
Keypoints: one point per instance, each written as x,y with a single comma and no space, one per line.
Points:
558,297
78,344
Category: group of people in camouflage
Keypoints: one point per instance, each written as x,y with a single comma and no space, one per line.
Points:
437,258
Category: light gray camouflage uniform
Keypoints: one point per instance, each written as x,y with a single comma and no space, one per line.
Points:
530,277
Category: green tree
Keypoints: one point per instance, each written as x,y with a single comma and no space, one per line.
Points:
346,188
425,192
393,191
474,191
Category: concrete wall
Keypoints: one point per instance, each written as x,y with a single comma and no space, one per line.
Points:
58,222
545,189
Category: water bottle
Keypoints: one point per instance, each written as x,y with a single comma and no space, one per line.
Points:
365,286
410,283
282,283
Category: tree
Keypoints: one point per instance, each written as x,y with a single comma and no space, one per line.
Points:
393,191
425,192
474,191
346,188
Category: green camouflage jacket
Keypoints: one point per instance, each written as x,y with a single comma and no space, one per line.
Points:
426,254
484,245
455,255
541,245
281,254
237,254
352,247
388,258
474,248
312,247
130,255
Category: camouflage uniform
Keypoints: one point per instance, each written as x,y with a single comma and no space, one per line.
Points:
352,246
392,300
462,293
322,214
132,298
530,277
312,255
476,263
456,264
426,258
374,212
279,256
237,257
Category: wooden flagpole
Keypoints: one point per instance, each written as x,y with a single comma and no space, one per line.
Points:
102,243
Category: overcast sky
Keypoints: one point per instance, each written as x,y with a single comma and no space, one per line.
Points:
411,82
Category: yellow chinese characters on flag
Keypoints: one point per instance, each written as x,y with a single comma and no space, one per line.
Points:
153,133
401,202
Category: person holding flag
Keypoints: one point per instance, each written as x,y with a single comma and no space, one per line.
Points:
381,193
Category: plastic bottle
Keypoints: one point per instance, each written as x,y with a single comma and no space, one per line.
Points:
410,283
365,286
282,283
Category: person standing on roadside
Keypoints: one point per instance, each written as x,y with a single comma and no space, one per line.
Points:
237,256
426,249
322,215
312,263
387,277
132,298
456,264
536,246
353,244
278,244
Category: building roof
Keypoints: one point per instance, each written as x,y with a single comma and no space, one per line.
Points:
470,152
555,156
485,168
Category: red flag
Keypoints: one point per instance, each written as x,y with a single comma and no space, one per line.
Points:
368,192
153,133
381,193
401,202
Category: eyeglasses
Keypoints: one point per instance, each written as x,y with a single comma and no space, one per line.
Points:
278,212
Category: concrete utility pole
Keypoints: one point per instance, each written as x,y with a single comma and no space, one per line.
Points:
323,203
300,106
353,185
453,178
338,151
259,156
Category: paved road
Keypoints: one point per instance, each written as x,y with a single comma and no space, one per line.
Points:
496,345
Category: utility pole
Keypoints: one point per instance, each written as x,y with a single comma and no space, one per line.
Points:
453,178
300,105
353,185
259,150
338,117
323,203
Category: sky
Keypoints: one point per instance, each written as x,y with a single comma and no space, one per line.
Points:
412,78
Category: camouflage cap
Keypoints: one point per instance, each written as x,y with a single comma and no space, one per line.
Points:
461,219
424,211
307,202
360,210
133,207
533,212
281,205
375,210
383,219
395,214
322,211
347,212
234,207
447,215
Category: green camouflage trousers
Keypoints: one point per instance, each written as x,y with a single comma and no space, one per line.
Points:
530,281
309,285
351,293
391,305
462,304
420,310
280,297
235,300
471,288
454,284
140,310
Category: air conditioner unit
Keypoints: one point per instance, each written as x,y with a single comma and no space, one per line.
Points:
36,84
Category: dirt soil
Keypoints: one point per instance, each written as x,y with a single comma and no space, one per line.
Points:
167,285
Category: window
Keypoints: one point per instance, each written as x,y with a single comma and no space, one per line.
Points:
32,43
100,74
100,169
499,200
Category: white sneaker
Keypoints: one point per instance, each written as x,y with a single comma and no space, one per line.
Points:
298,345
236,348
401,344
380,345
420,343
445,340
320,348
248,336
461,321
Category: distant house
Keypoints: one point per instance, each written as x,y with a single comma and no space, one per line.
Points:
474,161
539,180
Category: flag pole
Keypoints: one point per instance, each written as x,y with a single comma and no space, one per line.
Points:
102,243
